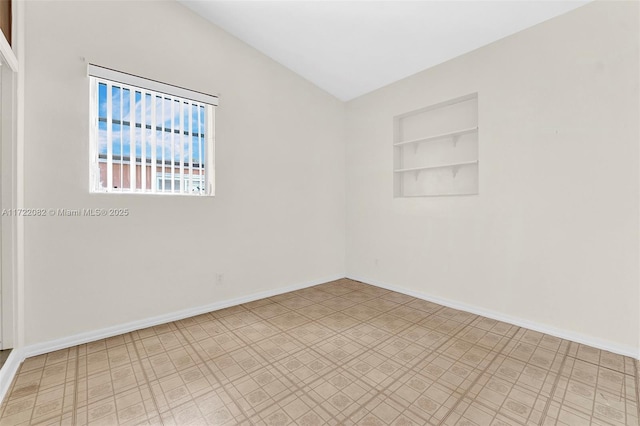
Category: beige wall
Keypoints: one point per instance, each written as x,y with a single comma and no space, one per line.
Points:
278,215
552,239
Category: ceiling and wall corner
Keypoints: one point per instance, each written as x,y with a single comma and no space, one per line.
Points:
350,48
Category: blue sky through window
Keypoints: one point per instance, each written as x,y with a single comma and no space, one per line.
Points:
171,140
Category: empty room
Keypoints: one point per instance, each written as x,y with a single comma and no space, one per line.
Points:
320,212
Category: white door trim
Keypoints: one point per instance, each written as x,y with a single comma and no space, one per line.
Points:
11,146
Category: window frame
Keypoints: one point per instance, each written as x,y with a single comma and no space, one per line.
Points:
188,180
99,75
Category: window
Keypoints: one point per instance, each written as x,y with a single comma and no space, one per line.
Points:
148,137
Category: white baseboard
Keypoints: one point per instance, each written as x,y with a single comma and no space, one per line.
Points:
92,336
9,370
595,342
17,356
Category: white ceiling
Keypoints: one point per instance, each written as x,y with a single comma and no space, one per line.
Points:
349,48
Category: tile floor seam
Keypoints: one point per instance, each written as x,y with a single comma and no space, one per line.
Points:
35,402
433,350
391,336
288,334
466,392
593,409
86,373
271,364
538,394
177,407
412,369
636,364
537,346
556,381
600,366
36,396
146,379
341,310
206,364
624,392
284,374
555,386
305,346
76,386
340,333
507,415
340,369
361,346
64,387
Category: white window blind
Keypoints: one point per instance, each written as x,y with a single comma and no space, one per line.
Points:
152,85
150,137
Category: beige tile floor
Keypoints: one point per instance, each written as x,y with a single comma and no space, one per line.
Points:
338,353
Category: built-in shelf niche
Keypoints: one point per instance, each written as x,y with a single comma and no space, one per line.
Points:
436,149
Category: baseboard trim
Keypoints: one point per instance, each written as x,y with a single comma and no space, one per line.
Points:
9,370
520,322
17,356
92,336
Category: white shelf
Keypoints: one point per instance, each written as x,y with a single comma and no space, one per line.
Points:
439,166
441,136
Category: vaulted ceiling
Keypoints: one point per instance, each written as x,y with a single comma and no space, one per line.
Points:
349,48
